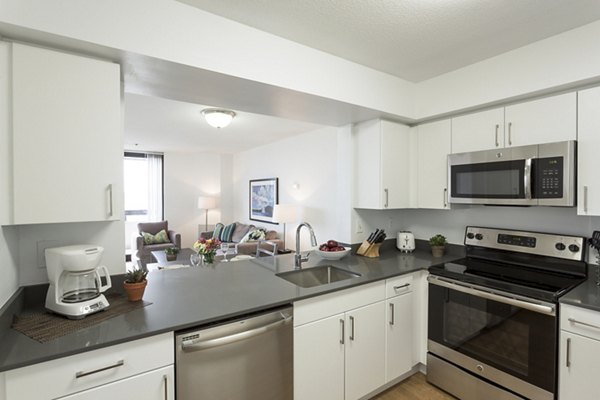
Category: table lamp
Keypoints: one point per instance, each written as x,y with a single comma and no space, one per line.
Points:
284,213
206,203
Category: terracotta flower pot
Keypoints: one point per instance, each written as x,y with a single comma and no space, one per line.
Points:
438,251
135,291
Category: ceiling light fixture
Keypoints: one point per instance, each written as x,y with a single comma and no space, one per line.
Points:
217,117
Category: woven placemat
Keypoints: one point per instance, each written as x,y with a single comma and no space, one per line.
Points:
44,326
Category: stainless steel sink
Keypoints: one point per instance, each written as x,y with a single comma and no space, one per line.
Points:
315,276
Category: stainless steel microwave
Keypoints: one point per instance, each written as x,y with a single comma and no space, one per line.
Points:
532,175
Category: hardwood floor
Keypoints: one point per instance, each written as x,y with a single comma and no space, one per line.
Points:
414,388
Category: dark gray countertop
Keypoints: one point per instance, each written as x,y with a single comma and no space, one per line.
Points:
195,296
586,295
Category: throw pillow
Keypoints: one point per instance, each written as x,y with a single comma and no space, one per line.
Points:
256,234
227,233
217,231
160,237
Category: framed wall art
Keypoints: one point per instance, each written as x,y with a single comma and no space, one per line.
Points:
264,194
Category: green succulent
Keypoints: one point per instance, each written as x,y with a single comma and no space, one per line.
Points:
437,240
135,275
172,251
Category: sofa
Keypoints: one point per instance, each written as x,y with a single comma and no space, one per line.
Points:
142,252
238,232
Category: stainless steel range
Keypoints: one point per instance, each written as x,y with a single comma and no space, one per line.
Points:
493,324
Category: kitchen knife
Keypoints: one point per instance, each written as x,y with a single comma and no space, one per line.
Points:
370,238
375,235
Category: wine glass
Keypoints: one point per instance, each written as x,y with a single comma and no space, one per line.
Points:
195,259
224,250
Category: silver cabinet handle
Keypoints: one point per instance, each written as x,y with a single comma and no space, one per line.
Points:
387,198
166,382
343,331
391,313
527,179
568,352
110,200
195,345
585,199
574,321
510,133
445,197
406,285
351,328
497,127
81,374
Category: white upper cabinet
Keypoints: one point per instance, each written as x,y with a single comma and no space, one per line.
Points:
433,149
479,131
547,120
382,165
588,162
67,138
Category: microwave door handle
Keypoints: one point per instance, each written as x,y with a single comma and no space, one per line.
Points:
527,178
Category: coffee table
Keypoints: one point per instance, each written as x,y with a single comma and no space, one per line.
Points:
183,257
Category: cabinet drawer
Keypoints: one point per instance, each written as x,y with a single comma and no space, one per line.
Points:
59,377
399,285
580,320
334,303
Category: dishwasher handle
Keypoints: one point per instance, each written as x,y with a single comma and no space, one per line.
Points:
195,345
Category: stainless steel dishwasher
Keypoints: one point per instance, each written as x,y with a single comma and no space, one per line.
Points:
249,358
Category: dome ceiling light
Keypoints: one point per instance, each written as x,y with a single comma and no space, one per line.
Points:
217,117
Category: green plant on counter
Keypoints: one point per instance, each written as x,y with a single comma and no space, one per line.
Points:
135,275
172,251
437,240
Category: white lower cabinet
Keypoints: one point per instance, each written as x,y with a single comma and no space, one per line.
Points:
400,327
339,344
141,369
154,385
579,354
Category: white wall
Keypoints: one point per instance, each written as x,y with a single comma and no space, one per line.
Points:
187,176
9,271
188,35
33,239
309,160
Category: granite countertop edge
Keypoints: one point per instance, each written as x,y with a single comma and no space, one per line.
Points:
256,289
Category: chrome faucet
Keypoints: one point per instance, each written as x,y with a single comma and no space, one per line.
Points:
298,259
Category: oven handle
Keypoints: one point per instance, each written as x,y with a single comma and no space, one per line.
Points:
500,297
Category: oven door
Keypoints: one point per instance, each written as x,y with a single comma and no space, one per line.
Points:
510,342
501,176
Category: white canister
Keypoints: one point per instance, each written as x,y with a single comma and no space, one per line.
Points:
405,241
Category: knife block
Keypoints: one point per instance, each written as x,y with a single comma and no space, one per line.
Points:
369,250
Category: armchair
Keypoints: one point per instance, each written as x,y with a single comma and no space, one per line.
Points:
142,252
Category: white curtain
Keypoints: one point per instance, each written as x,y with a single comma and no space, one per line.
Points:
155,190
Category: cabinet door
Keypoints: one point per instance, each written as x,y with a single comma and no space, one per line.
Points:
67,137
319,359
552,119
578,360
588,162
395,165
399,336
479,131
433,149
155,385
365,350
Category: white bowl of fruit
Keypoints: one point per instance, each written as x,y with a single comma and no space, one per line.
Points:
332,250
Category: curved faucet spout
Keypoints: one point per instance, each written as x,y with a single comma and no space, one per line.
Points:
298,259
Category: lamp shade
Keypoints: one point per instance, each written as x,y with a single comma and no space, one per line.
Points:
206,203
285,213
218,118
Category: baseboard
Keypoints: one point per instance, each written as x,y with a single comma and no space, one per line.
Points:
417,368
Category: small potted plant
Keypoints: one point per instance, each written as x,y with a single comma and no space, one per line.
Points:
135,284
171,253
438,245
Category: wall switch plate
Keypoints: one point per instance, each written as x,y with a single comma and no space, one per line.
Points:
359,227
42,245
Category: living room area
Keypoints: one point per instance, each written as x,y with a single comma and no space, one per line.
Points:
173,161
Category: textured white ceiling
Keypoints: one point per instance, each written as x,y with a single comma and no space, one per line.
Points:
411,39
157,124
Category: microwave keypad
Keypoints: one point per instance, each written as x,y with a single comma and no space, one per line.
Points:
549,174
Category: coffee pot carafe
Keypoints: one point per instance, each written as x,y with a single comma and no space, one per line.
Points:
76,287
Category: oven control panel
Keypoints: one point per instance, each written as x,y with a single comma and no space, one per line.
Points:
544,244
